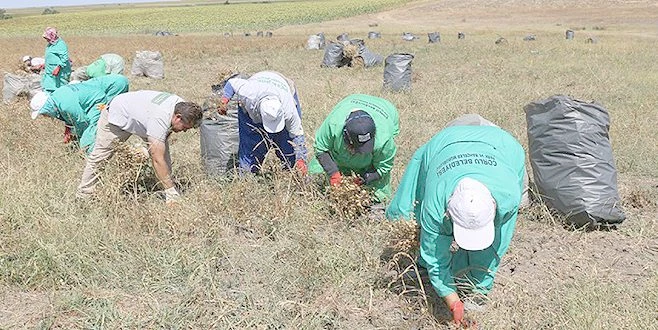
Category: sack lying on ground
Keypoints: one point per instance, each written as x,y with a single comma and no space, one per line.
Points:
148,64
571,157
18,85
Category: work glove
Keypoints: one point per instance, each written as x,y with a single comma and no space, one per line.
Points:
56,70
334,179
300,164
369,177
358,180
101,106
457,309
68,137
172,197
223,106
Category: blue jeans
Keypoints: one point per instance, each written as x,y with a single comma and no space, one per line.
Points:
255,142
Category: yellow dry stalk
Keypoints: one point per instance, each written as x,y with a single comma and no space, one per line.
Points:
129,169
349,200
357,62
404,236
224,74
350,51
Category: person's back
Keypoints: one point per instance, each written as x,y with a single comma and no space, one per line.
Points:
144,113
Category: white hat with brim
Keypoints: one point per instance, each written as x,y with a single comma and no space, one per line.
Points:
270,110
37,102
26,58
472,210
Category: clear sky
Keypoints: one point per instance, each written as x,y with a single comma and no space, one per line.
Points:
61,3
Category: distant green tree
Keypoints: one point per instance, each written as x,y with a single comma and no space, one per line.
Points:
3,14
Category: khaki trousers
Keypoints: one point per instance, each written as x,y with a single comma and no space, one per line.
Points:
106,135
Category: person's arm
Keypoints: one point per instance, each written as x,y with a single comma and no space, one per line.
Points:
294,126
382,162
436,256
158,152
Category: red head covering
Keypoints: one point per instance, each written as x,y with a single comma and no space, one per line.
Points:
50,34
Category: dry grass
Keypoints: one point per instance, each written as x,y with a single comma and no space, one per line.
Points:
268,252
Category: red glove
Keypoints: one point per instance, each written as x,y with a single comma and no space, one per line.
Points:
334,179
358,180
223,106
56,71
457,309
300,164
67,135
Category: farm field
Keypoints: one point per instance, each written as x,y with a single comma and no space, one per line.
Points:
266,253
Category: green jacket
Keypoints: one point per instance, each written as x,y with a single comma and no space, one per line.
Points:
77,105
57,54
329,138
484,153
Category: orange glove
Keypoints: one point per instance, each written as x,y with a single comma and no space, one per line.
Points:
102,107
300,164
67,135
56,71
457,309
334,179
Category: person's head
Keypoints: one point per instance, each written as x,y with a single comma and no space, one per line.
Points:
359,132
472,210
50,34
37,102
272,115
186,115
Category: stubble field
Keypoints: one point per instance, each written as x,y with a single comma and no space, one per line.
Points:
267,253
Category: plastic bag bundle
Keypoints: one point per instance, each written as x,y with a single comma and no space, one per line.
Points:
572,161
397,71
148,64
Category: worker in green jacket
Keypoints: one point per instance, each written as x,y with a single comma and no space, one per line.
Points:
358,136
79,106
57,68
465,186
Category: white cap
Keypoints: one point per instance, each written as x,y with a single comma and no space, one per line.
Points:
472,210
37,102
26,58
270,111
74,81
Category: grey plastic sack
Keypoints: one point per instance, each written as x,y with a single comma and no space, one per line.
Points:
219,143
79,74
374,35
371,59
397,71
333,56
16,85
323,42
434,37
343,37
572,161
148,64
313,42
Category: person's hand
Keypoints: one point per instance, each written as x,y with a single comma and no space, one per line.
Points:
300,164
457,309
171,196
56,70
223,106
68,137
334,179
101,106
